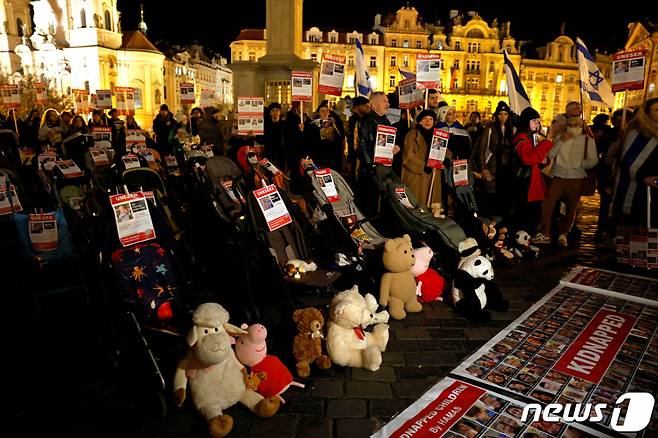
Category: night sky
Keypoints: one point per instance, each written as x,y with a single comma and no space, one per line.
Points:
198,21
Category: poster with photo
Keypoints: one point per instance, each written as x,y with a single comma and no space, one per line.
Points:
99,156
125,97
47,160
80,101
43,231
251,120
41,93
251,106
302,86
409,95
7,204
626,286
457,409
132,218
572,347
460,172
104,99
326,182
428,70
273,208
207,98
401,193
332,73
187,93
438,149
10,96
628,70
130,161
68,168
102,135
135,140
384,143
171,161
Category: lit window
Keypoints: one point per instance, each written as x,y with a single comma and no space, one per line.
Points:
406,43
503,86
558,79
350,61
405,62
393,61
252,56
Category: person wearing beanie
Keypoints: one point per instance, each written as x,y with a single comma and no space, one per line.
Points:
459,144
415,172
163,124
491,162
530,151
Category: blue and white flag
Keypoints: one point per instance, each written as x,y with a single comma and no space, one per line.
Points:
362,79
592,82
518,98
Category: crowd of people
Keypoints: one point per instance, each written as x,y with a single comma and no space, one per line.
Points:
521,174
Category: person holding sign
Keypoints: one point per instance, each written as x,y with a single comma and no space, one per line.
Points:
368,130
415,171
459,147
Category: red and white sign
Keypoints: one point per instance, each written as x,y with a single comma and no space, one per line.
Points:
104,99
171,161
302,86
326,182
99,156
428,70
269,166
43,231
628,70
187,93
401,194
132,218
10,96
438,149
410,96
332,74
273,208
69,169
207,98
46,160
135,139
80,101
41,91
102,134
590,355
125,100
251,120
460,172
130,161
5,204
384,143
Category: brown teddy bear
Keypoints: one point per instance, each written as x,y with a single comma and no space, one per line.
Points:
307,347
398,286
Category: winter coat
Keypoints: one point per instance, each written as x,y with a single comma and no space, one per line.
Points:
569,157
368,136
162,127
414,164
532,156
210,133
491,150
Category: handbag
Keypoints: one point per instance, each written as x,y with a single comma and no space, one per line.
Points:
589,182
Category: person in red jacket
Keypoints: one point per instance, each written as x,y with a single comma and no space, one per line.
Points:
530,152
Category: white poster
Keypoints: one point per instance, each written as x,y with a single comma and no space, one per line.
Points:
187,93
81,101
628,70
10,96
41,91
384,145
99,156
132,218
332,73
130,161
428,70
207,98
125,100
409,95
104,99
326,182
438,149
302,86
401,193
273,208
69,169
251,119
43,231
47,160
135,140
460,172
5,204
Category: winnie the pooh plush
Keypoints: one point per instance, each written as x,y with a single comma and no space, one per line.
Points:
398,286
307,346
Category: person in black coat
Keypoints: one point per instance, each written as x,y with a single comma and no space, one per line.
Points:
163,124
327,139
273,138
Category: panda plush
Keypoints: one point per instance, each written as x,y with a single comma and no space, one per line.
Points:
473,290
523,248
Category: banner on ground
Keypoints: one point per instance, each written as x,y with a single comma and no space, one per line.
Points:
332,73
625,286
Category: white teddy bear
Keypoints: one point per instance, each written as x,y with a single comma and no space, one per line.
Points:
347,342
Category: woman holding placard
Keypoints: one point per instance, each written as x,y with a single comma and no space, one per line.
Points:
415,171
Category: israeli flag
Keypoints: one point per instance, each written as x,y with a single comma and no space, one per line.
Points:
362,80
518,98
592,82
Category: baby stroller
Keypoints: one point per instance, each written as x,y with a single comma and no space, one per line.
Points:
441,234
228,190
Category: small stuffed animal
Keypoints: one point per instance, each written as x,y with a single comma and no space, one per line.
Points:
296,268
347,342
473,290
213,374
375,317
398,286
468,248
501,247
251,350
307,346
430,284
523,248
252,381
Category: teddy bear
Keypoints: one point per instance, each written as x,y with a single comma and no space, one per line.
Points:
251,351
398,286
430,284
307,346
523,249
375,317
347,342
503,254
473,290
213,374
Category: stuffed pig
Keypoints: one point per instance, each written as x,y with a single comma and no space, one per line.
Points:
430,283
251,350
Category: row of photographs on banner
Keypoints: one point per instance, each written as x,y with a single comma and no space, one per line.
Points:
457,409
602,281
573,347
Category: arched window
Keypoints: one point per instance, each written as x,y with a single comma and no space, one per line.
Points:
83,18
108,21
19,27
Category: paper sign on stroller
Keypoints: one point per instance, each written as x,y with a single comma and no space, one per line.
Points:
273,208
171,161
130,161
401,193
326,181
460,172
43,232
135,139
228,186
384,143
47,160
69,169
5,205
132,218
438,149
269,166
99,156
